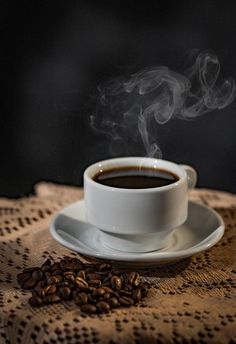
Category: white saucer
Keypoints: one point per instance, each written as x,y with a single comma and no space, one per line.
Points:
203,229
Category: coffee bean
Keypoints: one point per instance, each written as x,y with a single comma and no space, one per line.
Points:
103,307
54,279
81,299
69,275
28,283
80,282
47,274
51,298
71,264
50,289
81,274
56,266
88,309
94,276
91,299
105,267
37,275
144,289
137,295
64,293
116,283
46,265
106,296
99,292
106,280
126,301
114,302
107,289
64,283
117,272
23,276
124,293
35,301
90,268
133,278
95,283
39,289
128,287
57,272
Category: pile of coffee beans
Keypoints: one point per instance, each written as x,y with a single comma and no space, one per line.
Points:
95,288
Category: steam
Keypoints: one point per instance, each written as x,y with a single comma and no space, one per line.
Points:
127,109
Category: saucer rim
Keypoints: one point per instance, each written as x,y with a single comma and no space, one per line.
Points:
157,256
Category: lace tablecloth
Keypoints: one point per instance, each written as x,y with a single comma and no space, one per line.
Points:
192,301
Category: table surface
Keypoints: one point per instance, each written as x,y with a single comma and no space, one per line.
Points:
193,300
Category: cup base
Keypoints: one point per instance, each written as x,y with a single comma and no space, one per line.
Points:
136,243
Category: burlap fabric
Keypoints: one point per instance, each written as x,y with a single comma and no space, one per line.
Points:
192,301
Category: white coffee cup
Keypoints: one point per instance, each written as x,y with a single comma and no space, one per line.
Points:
137,220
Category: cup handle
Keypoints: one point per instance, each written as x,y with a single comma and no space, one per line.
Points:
192,176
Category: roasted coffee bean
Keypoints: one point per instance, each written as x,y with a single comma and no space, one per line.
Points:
107,289
50,289
91,299
103,273
95,283
126,301
35,301
80,282
69,275
37,275
55,266
47,274
116,283
128,287
57,272
39,289
74,293
71,264
99,292
40,284
28,283
106,280
93,276
46,265
133,278
51,298
54,279
104,267
117,272
81,274
64,283
88,309
114,302
124,293
64,293
89,269
137,295
103,307
144,289
106,296
23,276
81,299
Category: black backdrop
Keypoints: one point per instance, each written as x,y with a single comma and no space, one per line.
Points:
53,55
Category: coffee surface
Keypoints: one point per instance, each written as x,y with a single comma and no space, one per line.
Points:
132,177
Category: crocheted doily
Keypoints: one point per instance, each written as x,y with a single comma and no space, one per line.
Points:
192,301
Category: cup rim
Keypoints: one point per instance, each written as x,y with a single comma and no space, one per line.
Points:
93,168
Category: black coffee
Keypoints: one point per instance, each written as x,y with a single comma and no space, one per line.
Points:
132,177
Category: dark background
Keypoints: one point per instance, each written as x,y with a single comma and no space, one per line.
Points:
53,55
